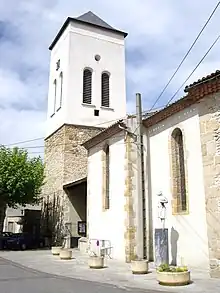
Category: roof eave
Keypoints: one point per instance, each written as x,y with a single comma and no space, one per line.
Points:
106,134
69,19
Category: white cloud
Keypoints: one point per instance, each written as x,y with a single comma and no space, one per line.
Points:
160,33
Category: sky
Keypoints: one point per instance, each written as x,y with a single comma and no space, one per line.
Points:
159,34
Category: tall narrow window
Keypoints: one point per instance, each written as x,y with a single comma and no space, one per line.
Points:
87,86
55,96
107,174
179,173
105,90
61,90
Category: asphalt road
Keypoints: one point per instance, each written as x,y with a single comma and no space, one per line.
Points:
15,278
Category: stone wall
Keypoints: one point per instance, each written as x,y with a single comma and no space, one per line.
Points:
130,225
209,113
65,162
75,155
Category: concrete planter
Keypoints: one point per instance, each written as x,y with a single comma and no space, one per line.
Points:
139,267
173,278
83,244
65,254
96,262
56,250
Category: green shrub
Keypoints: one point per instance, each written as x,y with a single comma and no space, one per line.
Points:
174,269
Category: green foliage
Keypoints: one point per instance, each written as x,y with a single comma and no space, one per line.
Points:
171,269
21,177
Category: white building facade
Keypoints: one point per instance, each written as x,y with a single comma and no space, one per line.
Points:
181,161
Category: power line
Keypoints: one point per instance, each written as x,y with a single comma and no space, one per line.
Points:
143,112
24,141
186,55
213,44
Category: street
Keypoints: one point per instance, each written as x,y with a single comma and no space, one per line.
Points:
15,278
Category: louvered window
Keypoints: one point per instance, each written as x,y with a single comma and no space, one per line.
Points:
87,86
105,90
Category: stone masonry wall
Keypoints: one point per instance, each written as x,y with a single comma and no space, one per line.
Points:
130,225
75,155
65,162
209,112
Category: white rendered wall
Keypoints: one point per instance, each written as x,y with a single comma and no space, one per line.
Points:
109,224
192,243
59,52
76,50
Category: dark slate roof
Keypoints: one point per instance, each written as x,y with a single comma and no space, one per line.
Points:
91,18
88,18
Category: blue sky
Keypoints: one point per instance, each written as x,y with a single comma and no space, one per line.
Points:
159,34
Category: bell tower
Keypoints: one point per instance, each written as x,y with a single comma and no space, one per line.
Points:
87,74
86,93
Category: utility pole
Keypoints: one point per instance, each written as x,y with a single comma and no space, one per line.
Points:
140,207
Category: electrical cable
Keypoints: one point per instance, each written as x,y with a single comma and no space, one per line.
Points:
186,55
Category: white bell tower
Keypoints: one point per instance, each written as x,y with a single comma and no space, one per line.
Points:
87,74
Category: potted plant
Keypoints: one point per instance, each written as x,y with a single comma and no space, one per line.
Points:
173,275
96,261
139,266
65,254
58,245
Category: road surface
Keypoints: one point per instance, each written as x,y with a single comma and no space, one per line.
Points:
15,278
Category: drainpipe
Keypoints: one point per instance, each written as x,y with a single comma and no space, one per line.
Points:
140,199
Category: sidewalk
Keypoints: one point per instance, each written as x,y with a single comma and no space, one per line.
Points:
117,273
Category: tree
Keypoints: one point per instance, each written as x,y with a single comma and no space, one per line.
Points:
21,179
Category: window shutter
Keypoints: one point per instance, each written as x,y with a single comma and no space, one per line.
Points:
87,86
105,90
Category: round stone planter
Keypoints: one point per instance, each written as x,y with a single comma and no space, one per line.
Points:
96,262
65,254
139,267
173,278
56,250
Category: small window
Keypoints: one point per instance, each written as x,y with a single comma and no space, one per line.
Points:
105,90
87,86
178,172
11,227
96,112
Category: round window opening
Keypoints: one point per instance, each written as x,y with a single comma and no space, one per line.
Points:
97,57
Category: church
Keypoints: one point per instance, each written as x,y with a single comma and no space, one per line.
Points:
131,188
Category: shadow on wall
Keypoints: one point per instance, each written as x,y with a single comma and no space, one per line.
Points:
174,239
52,220
77,197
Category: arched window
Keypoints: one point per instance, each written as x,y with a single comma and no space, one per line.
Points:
178,172
106,178
105,90
61,90
55,95
87,86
